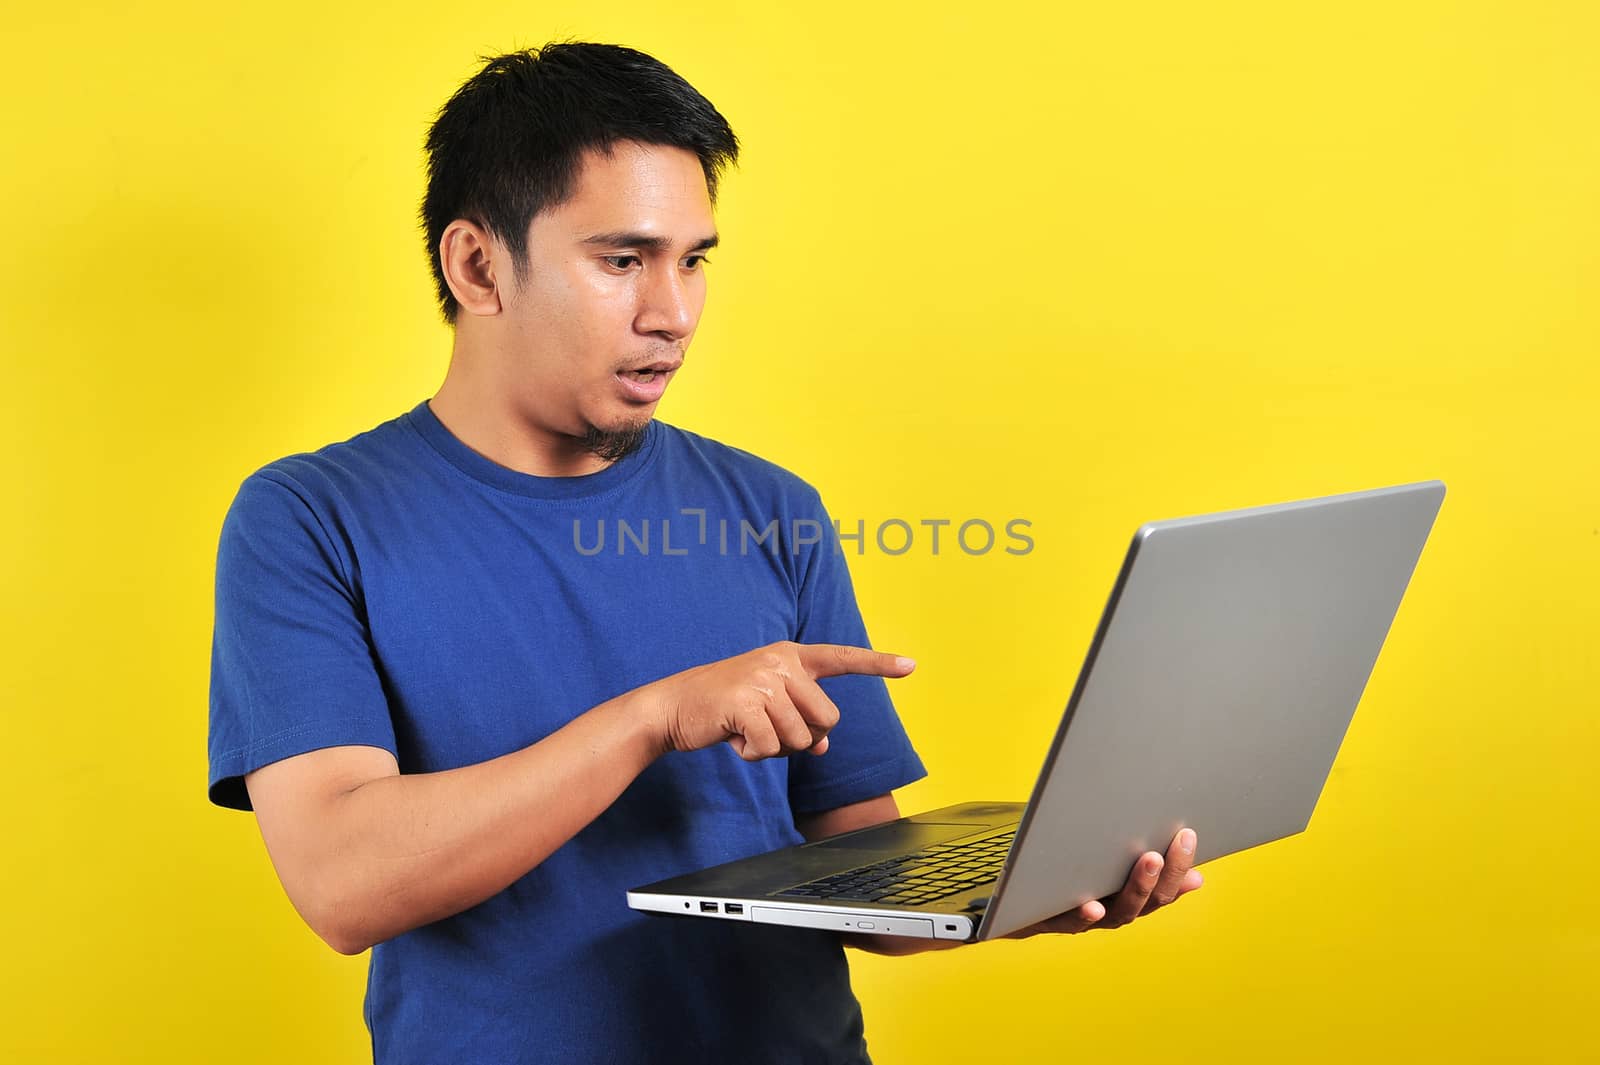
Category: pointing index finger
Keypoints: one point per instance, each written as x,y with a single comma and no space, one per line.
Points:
836,659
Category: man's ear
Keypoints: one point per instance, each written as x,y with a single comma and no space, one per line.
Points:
471,268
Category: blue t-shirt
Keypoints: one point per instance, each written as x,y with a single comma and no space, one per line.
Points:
399,590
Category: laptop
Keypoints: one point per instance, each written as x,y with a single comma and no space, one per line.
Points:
1215,694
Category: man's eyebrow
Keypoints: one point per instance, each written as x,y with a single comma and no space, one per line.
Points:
644,240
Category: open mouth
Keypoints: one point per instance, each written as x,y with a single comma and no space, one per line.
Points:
644,386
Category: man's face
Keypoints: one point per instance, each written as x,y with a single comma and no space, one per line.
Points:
615,283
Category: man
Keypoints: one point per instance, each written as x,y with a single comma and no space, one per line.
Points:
465,729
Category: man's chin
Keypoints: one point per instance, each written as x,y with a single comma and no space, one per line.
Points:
616,443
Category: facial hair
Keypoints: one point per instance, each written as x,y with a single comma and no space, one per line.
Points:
614,445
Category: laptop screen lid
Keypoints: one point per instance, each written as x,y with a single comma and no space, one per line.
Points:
1215,694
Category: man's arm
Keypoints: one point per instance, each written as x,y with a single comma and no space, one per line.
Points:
864,814
366,852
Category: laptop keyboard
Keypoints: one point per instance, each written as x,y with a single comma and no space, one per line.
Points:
927,875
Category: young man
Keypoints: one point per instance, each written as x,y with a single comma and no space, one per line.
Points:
469,696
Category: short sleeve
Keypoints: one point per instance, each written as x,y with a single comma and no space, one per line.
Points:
869,753
292,668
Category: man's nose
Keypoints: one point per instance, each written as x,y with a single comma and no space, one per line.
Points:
667,306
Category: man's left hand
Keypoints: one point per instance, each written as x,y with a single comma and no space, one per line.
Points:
1152,884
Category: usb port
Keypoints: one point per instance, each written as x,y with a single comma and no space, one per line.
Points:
734,907
708,907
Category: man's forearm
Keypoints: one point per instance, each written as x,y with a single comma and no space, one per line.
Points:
897,946
406,850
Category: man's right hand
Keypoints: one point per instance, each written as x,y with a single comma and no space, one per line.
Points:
763,703
366,852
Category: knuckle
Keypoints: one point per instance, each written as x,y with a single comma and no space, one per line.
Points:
796,734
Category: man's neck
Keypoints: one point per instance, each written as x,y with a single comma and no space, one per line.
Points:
481,419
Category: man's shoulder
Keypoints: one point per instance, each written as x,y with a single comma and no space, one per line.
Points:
739,465
337,472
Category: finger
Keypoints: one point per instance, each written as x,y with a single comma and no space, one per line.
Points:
1191,882
814,705
1081,919
760,740
786,720
1130,901
835,659
1180,859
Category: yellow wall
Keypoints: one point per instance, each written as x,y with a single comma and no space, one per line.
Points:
1088,269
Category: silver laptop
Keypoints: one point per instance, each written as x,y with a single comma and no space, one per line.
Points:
1215,695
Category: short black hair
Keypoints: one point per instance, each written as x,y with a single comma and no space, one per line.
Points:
509,143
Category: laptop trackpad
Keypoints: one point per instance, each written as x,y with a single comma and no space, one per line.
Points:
902,836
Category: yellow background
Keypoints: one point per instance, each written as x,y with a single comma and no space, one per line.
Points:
1086,267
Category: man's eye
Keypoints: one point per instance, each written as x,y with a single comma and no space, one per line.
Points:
621,262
